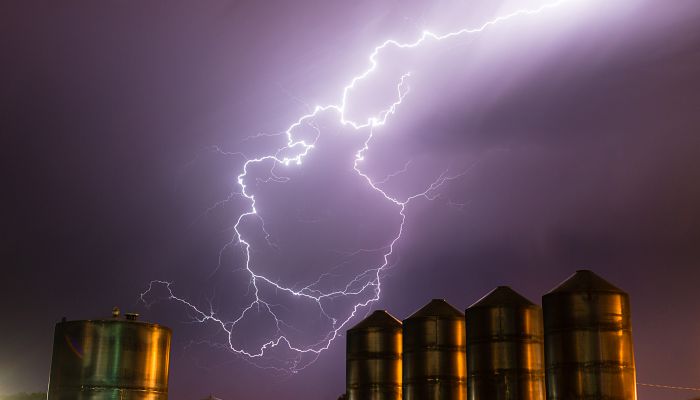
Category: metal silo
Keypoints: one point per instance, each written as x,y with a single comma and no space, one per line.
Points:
434,355
110,359
588,340
373,370
505,358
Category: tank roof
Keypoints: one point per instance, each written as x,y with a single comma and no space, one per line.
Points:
113,321
437,308
503,296
378,319
585,281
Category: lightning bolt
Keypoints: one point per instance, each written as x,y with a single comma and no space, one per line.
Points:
294,152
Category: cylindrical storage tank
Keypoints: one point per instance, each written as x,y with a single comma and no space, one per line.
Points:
588,340
110,359
434,354
373,370
505,354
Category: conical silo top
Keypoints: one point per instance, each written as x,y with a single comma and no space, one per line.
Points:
585,281
503,296
437,308
378,319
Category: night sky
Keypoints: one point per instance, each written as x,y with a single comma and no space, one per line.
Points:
574,137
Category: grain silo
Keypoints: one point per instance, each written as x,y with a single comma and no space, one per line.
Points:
434,357
373,363
505,357
115,358
588,340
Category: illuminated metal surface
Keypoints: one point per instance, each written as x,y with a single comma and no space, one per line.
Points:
109,359
373,370
588,341
434,354
505,358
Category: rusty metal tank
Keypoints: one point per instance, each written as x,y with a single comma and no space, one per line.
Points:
588,340
505,355
373,370
434,354
117,358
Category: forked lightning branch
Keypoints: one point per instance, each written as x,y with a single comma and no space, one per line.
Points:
366,284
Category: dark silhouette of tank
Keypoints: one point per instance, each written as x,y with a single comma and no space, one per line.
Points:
373,370
434,353
588,340
117,358
505,355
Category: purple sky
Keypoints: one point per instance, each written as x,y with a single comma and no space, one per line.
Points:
575,133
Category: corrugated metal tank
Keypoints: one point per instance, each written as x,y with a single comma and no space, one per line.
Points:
588,340
505,356
434,354
110,359
373,369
